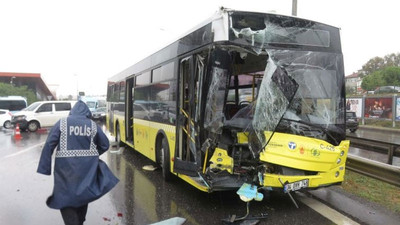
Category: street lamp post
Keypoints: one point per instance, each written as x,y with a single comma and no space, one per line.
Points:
77,87
294,7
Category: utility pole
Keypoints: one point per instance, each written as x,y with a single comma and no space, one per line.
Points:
294,7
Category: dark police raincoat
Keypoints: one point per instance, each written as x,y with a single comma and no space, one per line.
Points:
79,175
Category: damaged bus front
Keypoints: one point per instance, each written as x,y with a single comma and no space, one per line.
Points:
267,107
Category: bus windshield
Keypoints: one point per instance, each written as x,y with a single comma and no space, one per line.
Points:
263,30
296,93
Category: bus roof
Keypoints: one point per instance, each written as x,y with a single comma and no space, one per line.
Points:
215,28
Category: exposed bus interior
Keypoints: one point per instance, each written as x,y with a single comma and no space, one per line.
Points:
248,98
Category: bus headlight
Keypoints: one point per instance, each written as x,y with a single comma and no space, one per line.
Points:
337,174
338,160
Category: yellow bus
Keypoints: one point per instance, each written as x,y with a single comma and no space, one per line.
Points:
243,98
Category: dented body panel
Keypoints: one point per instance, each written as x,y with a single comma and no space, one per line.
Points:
254,99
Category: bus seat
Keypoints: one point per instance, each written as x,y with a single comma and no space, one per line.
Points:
231,110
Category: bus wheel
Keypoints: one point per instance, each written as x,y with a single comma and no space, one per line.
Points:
165,160
33,126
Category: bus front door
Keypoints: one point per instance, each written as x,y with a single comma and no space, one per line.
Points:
129,110
185,151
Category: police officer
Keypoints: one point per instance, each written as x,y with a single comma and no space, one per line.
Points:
80,176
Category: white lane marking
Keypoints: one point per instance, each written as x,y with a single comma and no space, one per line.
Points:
23,151
326,211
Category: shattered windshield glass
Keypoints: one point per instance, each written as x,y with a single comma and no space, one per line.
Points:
272,29
215,100
301,89
298,95
276,91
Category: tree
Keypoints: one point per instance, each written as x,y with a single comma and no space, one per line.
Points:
8,89
392,60
372,81
372,65
378,63
389,76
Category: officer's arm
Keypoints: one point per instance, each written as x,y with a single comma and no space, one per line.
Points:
48,149
101,141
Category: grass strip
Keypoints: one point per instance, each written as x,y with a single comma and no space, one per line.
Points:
373,190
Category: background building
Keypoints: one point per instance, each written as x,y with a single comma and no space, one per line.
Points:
353,84
32,80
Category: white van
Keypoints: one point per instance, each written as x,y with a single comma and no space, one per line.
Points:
42,114
13,103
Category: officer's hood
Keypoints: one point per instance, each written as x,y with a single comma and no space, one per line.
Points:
80,109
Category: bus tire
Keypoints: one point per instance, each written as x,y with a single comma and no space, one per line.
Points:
165,160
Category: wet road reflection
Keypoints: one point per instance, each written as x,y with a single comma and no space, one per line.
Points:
381,135
143,197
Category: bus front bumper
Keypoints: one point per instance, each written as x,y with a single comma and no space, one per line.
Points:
322,179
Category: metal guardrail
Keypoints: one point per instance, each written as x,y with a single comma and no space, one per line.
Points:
377,170
390,149
371,168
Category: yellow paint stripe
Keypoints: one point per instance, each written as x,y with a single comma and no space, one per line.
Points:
155,125
325,210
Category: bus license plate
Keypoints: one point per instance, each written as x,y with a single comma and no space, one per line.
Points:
295,185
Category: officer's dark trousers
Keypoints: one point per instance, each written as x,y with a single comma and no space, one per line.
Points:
74,216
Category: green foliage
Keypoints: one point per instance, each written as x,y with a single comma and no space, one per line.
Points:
372,65
372,81
391,75
8,89
381,72
378,63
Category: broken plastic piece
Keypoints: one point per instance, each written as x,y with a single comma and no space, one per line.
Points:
172,221
248,192
149,167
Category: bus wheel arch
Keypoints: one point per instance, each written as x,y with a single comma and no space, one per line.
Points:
163,155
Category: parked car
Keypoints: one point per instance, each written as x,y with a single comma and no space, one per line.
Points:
387,89
351,121
41,114
5,118
99,114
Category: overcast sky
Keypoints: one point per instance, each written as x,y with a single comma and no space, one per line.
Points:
78,44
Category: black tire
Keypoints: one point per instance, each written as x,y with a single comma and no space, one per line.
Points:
7,124
165,160
33,126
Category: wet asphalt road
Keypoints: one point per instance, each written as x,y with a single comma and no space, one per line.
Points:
141,197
